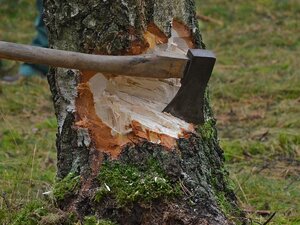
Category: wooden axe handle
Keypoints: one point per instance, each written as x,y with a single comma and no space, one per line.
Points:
147,65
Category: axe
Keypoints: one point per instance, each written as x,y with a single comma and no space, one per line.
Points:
194,69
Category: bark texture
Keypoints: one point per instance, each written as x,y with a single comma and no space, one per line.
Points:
194,187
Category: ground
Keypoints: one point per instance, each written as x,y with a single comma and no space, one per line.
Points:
255,94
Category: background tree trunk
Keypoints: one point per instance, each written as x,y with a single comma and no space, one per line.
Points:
130,177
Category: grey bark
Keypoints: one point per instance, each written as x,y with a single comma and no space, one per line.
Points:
198,163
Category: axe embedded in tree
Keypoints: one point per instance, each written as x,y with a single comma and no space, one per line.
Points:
195,70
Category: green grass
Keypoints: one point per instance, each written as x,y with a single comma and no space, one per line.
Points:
27,142
27,121
17,18
255,92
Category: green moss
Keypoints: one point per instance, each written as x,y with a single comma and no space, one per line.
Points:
66,186
207,130
101,193
92,220
131,183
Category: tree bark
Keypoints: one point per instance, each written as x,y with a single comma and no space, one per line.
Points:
121,163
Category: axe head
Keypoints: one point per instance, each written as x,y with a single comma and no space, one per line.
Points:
188,103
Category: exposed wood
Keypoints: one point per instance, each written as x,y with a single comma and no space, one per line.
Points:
123,109
158,37
160,65
182,34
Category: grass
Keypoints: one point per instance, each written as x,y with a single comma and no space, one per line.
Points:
27,142
27,121
255,92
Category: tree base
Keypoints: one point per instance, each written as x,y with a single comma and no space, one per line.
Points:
149,184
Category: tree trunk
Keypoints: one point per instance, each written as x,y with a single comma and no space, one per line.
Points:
119,157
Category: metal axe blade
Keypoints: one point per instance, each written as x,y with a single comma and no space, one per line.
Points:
188,103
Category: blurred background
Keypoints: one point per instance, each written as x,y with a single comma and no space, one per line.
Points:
254,91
